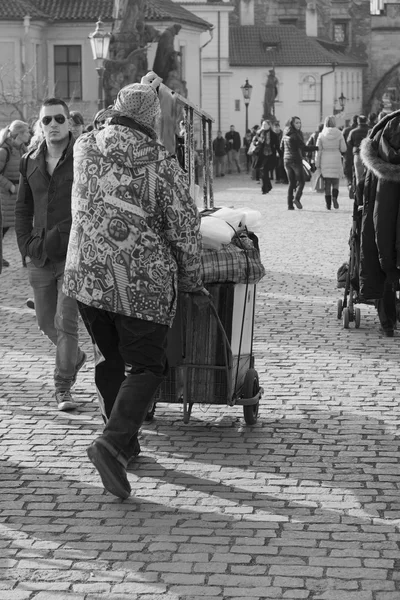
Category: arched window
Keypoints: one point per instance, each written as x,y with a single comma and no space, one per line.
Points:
308,89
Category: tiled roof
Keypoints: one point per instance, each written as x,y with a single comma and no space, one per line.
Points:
18,9
90,10
167,10
76,10
280,45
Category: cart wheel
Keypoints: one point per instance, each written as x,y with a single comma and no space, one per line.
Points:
250,388
339,308
187,411
346,318
357,317
150,413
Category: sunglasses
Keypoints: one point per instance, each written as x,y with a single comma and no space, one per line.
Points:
58,119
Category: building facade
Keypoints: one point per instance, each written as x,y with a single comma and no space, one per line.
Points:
45,51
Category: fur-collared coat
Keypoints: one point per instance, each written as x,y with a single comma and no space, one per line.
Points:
380,226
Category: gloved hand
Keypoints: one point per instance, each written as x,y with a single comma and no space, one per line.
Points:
152,79
201,299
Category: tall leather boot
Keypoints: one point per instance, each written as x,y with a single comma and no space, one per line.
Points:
110,452
328,201
335,194
129,410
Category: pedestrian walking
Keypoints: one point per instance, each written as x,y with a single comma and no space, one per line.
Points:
380,226
293,147
267,146
135,238
42,225
246,144
77,123
255,173
219,150
280,172
353,165
312,141
331,147
233,145
353,125
13,144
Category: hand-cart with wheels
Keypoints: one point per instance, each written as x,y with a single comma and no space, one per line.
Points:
210,345
210,349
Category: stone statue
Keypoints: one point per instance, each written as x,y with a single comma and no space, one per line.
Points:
166,59
127,66
271,92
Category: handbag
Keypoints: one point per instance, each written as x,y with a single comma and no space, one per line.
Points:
251,149
317,181
306,170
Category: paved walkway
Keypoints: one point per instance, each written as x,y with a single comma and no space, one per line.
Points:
303,505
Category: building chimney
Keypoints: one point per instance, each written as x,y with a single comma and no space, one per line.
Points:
246,8
311,19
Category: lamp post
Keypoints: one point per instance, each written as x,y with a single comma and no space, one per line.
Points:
342,102
246,88
100,42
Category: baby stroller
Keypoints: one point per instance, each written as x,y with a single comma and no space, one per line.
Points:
348,276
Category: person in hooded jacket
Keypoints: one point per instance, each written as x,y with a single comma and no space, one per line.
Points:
293,148
135,237
380,225
331,147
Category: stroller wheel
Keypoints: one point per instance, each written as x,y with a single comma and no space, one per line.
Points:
346,318
339,308
357,317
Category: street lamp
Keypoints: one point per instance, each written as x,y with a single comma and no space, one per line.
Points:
100,42
246,88
342,102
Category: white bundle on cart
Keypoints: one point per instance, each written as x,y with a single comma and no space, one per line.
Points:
230,249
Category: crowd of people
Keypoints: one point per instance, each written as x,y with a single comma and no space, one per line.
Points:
275,154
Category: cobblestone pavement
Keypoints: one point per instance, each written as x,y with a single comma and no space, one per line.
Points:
303,505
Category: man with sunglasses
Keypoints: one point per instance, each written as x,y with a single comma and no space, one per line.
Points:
42,225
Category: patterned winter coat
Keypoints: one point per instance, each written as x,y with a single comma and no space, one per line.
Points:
135,230
331,146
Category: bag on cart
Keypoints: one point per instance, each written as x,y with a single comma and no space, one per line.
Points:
237,262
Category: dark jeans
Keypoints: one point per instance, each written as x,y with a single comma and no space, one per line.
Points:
296,179
130,363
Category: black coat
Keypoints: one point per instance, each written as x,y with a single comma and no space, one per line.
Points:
259,158
43,208
294,147
380,225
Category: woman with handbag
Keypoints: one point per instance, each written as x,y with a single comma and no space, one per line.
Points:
294,147
267,145
331,147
